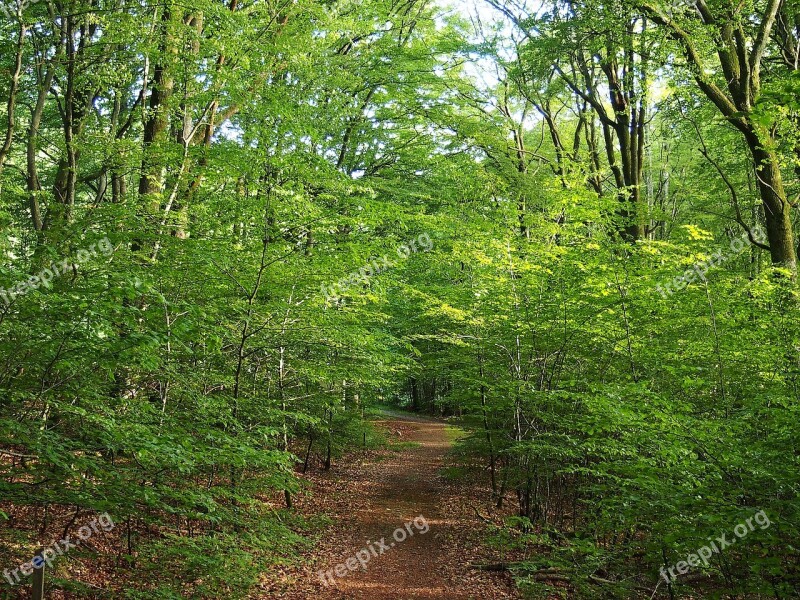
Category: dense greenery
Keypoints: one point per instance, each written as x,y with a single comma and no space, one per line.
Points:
232,227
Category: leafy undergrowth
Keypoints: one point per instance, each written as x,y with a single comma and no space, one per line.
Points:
169,565
548,564
225,565
222,553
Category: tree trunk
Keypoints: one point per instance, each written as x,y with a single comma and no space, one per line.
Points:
777,210
488,431
12,100
151,181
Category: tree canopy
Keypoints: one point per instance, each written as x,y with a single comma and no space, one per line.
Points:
233,228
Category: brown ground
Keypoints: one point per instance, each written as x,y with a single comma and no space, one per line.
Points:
370,500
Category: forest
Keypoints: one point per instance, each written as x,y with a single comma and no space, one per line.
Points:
521,274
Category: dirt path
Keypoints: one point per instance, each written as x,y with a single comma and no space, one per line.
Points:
375,500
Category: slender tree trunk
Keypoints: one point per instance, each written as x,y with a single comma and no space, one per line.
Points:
11,104
34,187
486,428
151,180
330,440
308,452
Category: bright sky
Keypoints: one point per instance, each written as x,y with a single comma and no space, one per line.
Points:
471,7
476,11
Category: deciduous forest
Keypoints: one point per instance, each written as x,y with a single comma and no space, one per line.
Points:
514,278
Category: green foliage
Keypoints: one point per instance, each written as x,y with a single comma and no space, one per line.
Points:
220,565
243,157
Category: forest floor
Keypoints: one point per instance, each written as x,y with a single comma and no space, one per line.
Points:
370,499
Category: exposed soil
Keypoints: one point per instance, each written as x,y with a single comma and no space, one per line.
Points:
372,499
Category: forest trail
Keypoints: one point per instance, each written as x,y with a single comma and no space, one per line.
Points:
374,499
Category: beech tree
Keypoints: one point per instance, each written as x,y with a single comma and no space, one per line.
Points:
234,231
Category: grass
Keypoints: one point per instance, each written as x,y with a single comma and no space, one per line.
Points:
454,433
405,445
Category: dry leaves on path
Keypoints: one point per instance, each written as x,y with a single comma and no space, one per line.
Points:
368,501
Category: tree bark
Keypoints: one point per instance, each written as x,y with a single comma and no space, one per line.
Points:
740,58
11,104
